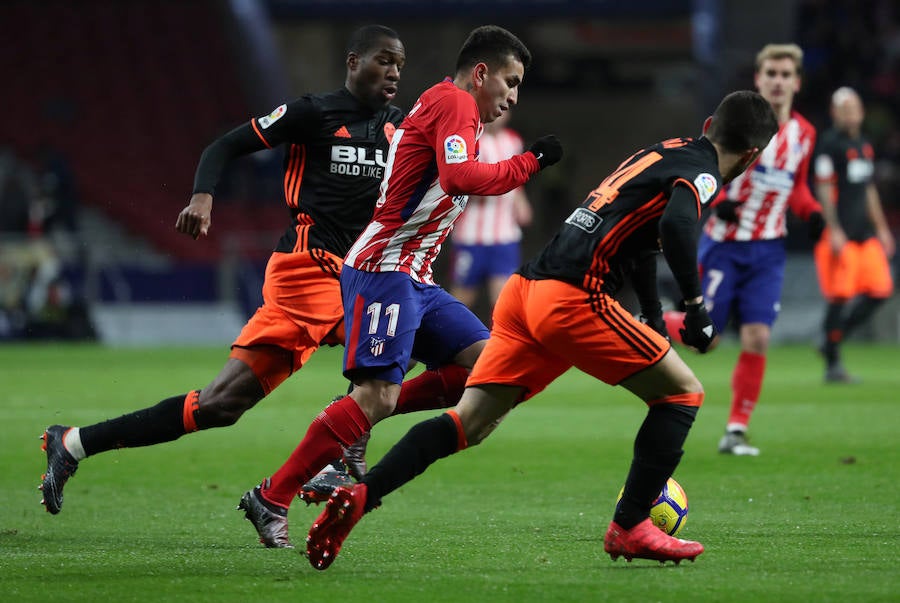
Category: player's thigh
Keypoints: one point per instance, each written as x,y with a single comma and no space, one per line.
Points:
875,279
302,305
503,259
448,330
512,356
592,331
382,312
468,263
759,292
668,377
720,274
834,270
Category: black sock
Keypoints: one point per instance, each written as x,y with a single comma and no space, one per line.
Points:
657,451
422,445
833,332
862,309
154,425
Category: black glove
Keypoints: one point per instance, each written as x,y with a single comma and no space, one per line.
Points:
816,225
547,150
653,318
727,210
699,330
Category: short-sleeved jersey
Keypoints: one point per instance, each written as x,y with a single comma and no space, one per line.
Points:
618,222
848,165
776,180
491,220
433,152
334,161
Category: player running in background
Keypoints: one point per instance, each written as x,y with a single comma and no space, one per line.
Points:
337,147
487,237
559,311
393,310
852,256
742,253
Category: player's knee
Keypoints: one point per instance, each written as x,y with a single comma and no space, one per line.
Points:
377,399
755,338
692,386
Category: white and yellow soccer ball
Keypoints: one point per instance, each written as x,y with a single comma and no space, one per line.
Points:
670,509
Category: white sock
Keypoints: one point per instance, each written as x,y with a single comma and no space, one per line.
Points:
72,442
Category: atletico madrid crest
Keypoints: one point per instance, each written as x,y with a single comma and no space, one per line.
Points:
376,345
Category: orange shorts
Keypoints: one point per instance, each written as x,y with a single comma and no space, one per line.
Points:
861,268
301,310
542,328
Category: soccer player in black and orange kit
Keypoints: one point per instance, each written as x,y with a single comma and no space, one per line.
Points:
558,311
337,145
852,255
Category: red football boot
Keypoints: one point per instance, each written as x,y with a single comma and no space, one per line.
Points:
646,541
342,511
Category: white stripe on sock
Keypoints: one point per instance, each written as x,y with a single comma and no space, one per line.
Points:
72,442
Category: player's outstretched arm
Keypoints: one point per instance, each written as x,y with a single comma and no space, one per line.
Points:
476,178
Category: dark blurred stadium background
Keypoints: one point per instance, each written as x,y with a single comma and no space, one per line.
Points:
109,104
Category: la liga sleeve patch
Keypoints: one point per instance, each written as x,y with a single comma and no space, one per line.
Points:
455,149
706,187
271,118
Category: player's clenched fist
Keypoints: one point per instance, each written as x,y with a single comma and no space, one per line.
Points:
194,220
699,331
547,149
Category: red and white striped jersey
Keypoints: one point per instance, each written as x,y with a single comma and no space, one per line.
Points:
491,220
776,181
431,168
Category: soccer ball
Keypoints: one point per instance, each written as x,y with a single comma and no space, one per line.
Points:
669,510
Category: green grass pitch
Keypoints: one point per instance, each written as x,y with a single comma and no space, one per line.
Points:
520,518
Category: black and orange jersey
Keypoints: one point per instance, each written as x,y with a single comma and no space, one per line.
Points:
618,223
848,165
336,150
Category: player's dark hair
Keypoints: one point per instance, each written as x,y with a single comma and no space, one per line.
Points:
492,45
368,37
742,121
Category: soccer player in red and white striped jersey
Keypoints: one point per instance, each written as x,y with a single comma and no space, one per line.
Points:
393,311
741,251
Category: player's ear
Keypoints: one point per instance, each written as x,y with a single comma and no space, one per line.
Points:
707,123
352,61
479,74
749,156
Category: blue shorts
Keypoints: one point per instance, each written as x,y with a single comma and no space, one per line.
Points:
475,264
389,319
742,279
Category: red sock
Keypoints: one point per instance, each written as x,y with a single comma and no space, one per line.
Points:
674,320
746,383
340,424
439,388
